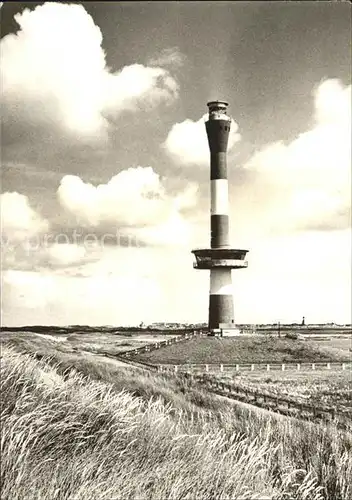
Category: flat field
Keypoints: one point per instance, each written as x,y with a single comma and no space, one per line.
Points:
256,349
94,342
337,345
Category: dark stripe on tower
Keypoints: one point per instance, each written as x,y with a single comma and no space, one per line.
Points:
220,310
218,135
218,166
219,231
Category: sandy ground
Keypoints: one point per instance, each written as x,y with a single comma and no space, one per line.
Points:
105,359
52,337
152,338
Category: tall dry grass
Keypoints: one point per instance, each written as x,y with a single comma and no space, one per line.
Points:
71,437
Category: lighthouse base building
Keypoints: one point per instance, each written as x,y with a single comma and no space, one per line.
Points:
220,258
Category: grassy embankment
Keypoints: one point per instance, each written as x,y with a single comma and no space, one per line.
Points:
243,350
123,433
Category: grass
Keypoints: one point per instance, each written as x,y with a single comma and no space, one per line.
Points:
320,388
75,428
332,345
100,368
242,350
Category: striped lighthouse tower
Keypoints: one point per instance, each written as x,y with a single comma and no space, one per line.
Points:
220,258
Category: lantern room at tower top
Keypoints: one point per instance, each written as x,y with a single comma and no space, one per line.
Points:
218,110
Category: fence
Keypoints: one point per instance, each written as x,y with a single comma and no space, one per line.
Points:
245,367
285,405
157,345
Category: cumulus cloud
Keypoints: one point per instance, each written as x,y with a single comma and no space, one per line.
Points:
168,57
19,221
136,199
174,231
305,183
66,253
187,142
134,209
333,103
28,241
54,73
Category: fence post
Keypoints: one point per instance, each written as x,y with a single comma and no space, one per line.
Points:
206,368
328,366
175,368
268,368
221,368
237,368
343,366
298,366
252,368
283,367
313,366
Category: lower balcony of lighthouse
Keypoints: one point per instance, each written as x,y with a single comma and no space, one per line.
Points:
212,258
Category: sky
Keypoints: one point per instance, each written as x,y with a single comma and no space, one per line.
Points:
105,165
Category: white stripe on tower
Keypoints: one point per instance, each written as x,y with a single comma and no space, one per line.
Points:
221,282
219,195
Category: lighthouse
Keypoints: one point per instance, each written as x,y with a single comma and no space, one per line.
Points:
220,258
